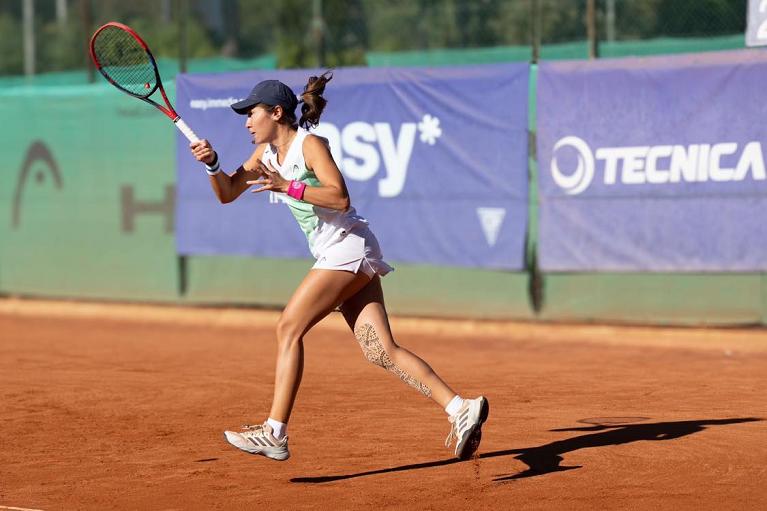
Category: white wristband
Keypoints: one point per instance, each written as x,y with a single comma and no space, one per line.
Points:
214,169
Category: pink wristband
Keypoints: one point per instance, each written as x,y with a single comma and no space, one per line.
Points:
296,189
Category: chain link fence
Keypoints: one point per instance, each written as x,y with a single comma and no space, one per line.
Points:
48,36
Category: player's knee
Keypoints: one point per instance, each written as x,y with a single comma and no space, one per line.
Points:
288,330
375,352
371,346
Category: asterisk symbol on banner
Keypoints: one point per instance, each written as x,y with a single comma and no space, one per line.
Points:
430,130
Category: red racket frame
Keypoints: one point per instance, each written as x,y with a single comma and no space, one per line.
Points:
168,109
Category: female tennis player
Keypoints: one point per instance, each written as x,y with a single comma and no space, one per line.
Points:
289,160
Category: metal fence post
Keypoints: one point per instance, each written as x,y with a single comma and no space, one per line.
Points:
28,16
183,44
535,29
591,28
87,21
610,20
61,12
318,31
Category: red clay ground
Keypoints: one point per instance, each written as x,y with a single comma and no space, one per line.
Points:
115,407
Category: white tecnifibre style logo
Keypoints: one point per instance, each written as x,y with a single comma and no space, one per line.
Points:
658,164
580,179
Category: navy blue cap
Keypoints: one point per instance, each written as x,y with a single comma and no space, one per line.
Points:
268,92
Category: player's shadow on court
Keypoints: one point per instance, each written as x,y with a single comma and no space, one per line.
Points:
546,458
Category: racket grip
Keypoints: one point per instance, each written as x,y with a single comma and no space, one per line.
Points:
186,130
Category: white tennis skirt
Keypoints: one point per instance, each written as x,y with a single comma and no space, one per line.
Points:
357,250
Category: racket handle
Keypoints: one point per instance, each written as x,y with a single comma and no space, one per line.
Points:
186,130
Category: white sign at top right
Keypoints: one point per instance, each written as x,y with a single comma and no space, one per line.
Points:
756,30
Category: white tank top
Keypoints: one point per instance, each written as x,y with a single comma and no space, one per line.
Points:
323,227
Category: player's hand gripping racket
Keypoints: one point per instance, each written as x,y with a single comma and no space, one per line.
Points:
126,62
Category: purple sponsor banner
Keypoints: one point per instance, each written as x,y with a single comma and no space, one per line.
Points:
435,159
653,164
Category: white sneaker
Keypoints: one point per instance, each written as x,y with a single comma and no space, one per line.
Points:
259,439
467,426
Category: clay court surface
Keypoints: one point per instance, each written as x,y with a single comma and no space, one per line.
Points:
123,407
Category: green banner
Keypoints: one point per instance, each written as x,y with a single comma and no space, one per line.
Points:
87,205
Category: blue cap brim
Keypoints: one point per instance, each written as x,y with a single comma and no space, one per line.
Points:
244,106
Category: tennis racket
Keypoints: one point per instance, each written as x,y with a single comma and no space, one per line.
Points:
124,59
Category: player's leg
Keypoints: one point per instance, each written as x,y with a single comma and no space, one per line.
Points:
366,315
319,293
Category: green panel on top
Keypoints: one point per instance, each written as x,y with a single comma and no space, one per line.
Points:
565,51
701,299
88,206
449,57
670,45
413,290
559,51
641,48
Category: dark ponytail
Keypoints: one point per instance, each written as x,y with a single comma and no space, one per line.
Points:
313,102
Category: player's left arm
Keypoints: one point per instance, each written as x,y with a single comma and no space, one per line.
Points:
331,193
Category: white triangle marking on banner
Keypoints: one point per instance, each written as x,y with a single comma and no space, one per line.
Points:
491,220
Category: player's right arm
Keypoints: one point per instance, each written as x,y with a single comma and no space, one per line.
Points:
228,187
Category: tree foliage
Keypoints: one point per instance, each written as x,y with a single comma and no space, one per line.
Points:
348,28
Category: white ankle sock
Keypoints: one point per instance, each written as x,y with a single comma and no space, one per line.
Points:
454,405
279,429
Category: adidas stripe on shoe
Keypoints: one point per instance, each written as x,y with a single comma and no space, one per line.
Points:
259,439
466,427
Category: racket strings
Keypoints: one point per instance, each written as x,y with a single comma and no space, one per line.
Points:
124,61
